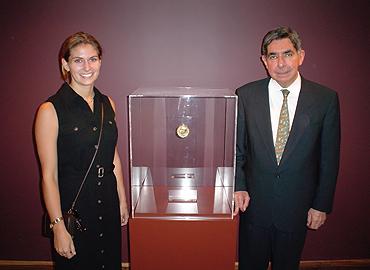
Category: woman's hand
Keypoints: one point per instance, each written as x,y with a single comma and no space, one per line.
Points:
63,242
124,213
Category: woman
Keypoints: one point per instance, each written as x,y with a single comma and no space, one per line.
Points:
67,131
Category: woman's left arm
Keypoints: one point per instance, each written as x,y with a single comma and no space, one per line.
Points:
120,186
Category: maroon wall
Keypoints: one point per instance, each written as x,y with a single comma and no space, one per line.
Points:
205,43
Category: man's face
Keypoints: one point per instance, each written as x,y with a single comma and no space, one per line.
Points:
282,61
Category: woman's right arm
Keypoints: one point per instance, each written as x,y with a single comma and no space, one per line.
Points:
46,134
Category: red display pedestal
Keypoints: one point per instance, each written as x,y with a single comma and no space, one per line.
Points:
159,244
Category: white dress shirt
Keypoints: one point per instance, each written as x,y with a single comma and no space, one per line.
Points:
276,101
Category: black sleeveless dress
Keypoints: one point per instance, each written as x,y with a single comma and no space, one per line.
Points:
99,247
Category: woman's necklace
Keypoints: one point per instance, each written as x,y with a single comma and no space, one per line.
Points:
90,99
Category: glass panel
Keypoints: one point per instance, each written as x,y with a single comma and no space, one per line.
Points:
182,153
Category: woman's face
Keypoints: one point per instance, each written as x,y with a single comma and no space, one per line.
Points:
84,65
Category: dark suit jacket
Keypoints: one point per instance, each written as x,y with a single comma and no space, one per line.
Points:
306,177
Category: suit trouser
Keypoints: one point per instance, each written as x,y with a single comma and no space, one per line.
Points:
258,246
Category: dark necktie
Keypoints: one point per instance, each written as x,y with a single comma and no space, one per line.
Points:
283,127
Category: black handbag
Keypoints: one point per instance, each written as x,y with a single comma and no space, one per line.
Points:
71,218
72,222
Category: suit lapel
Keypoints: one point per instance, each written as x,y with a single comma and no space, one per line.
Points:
263,119
300,122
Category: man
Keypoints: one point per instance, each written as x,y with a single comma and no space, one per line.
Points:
287,157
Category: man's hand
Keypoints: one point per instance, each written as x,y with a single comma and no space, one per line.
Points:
315,219
241,200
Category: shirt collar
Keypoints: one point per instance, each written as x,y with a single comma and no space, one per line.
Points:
71,94
294,88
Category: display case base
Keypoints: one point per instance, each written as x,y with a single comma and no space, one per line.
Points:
158,244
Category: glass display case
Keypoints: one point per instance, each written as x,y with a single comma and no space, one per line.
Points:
182,153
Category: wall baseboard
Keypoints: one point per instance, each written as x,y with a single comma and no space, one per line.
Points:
336,264
306,265
36,265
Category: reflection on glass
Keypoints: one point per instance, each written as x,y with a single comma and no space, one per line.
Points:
182,208
182,195
185,192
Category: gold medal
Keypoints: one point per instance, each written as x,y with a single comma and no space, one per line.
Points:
182,131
